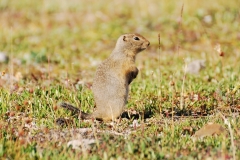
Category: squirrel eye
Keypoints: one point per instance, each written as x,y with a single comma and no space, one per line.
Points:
136,38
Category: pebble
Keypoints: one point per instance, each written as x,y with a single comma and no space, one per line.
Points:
3,58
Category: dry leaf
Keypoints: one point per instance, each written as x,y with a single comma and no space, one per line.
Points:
209,129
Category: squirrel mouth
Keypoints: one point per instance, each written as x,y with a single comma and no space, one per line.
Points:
143,47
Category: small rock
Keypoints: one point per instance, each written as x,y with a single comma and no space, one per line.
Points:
195,66
3,58
207,19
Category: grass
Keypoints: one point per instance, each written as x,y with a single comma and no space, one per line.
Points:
55,46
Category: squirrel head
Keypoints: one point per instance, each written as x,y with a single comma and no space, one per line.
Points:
132,43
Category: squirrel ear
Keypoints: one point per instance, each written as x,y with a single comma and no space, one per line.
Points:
124,38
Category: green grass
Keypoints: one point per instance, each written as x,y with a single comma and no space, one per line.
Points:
55,46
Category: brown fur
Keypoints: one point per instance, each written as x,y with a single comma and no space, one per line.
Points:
113,76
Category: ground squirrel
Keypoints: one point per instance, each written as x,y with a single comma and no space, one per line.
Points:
112,78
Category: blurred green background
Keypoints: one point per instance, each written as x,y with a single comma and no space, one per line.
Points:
78,33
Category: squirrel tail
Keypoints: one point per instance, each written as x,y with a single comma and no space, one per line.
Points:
76,111
70,107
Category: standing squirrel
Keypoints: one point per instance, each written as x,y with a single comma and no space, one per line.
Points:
113,77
